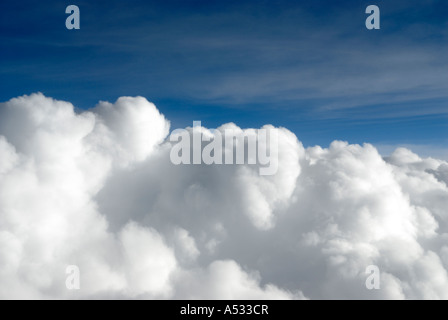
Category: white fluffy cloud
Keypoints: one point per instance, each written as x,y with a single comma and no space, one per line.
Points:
97,189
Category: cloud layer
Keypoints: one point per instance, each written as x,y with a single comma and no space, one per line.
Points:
97,189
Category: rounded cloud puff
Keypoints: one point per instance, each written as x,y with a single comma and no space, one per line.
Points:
97,189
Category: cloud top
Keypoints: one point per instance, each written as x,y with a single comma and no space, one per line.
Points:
97,189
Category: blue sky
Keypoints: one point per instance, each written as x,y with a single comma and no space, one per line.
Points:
311,67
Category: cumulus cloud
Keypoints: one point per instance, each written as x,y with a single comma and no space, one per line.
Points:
97,189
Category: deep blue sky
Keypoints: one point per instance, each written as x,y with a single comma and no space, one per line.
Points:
310,66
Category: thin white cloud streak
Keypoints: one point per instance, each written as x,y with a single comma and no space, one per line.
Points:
97,189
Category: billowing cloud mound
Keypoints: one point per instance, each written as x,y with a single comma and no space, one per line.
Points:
97,190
